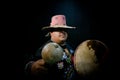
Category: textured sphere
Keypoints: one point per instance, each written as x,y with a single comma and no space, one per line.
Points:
52,53
88,57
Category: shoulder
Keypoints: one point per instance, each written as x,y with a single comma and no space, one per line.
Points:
38,52
70,48
40,48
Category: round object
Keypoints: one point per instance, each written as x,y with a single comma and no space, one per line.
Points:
52,53
88,57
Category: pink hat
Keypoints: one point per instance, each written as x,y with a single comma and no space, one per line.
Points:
58,22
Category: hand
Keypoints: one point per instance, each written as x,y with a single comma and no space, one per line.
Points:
38,67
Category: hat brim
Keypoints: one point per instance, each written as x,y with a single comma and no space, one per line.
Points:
49,28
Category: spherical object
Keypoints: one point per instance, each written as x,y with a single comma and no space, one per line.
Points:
52,53
88,57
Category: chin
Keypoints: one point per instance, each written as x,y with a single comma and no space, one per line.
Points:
63,39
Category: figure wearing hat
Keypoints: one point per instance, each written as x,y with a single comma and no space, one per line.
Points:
53,60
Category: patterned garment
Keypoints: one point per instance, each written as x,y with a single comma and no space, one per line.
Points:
67,66
68,69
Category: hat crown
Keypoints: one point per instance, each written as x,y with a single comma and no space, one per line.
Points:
58,20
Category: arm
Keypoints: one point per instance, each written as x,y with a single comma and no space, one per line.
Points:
35,65
38,67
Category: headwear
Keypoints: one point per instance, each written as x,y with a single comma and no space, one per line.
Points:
58,22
